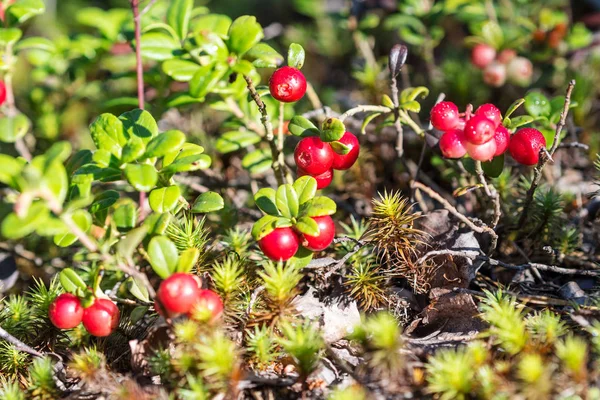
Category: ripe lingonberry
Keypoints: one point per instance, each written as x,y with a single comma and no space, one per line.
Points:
280,245
178,293
2,92
444,116
66,311
494,74
208,307
313,155
101,318
482,55
325,236
345,161
481,152
519,71
525,146
479,130
502,138
491,112
452,144
323,180
287,84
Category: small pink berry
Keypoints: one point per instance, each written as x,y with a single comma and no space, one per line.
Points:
444,116
491,112
452,144
479,129
481,152
495,74
482,55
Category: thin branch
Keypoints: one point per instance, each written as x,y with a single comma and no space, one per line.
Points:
79,233
364,108
546,156
18,344
397,122
574,145
480,229
491,192
145,9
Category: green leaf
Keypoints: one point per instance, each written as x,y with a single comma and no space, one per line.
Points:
333,129
142,177
265,199
162,255
71,281
244,33
296,56
99,173
164,143
287,201
265,225
492,34
188,163
157,223
178,16
520,121
411,94
138,290
180,70
513,107
133,150
264,56
320,206
307,226
104,201
14,227
164,199
243,67
188,149
59,151
412,106
11,169
104,158
494,168
368,118
208,202
387,101
188,260
125,214
139,123
35,43
232,141
77,160
258,161
206,78
108,134
537,104
306,188
127,245
217,23
301,259
83,220
159,46
9,36
300,126
13,128
23,10
340,148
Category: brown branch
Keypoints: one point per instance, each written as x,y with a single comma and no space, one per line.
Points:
18,344
490,192
546,156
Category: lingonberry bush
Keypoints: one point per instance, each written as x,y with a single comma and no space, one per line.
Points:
360,203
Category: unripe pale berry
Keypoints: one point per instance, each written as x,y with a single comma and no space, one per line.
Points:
506,56
444,116
479,130
502,139
491,112
313,155
519,71
525,146
323,180
287,84
481,152
325,236
280,245
495,74
452,144
482,55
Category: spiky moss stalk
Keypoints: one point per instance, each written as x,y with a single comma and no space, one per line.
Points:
303,342
261,347
392,232
365,283
506,319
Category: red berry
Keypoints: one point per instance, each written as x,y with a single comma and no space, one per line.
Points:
491,112
65,312
506,56
452,144
519,71
345,161
481,152
287,84
479,130
502,138
101,318
323,180
325,236
525,146
2,92
444,116
313,155
280,245
178,293
482,55
209,306
495,74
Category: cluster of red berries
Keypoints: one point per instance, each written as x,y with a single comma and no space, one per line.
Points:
99,319
318,159
482,135
500,67
181,293
282,243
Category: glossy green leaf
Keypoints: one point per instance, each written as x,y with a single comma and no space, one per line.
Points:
188,149
138,290
180,70
494,168
340,148
104,158
320,206
520,121
162,255
258,161
164,143
159,46
412,106
333,129
9,36
139,123
35,43
77,160
301,259
387,101
186,164
108,134
142,177
125,214
537,104
83,220
71,281
217,23
208,202
14,227
412,93
264,56
300,126
23,10
513,107
104,200
306,188
307,226
244,33
133,150
178,16
265,199
157,224
233,141
99,173
367,120
188,260
164,199
296,56
286,199
11,169
127,246
264,226
206,78
13,128
59,151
